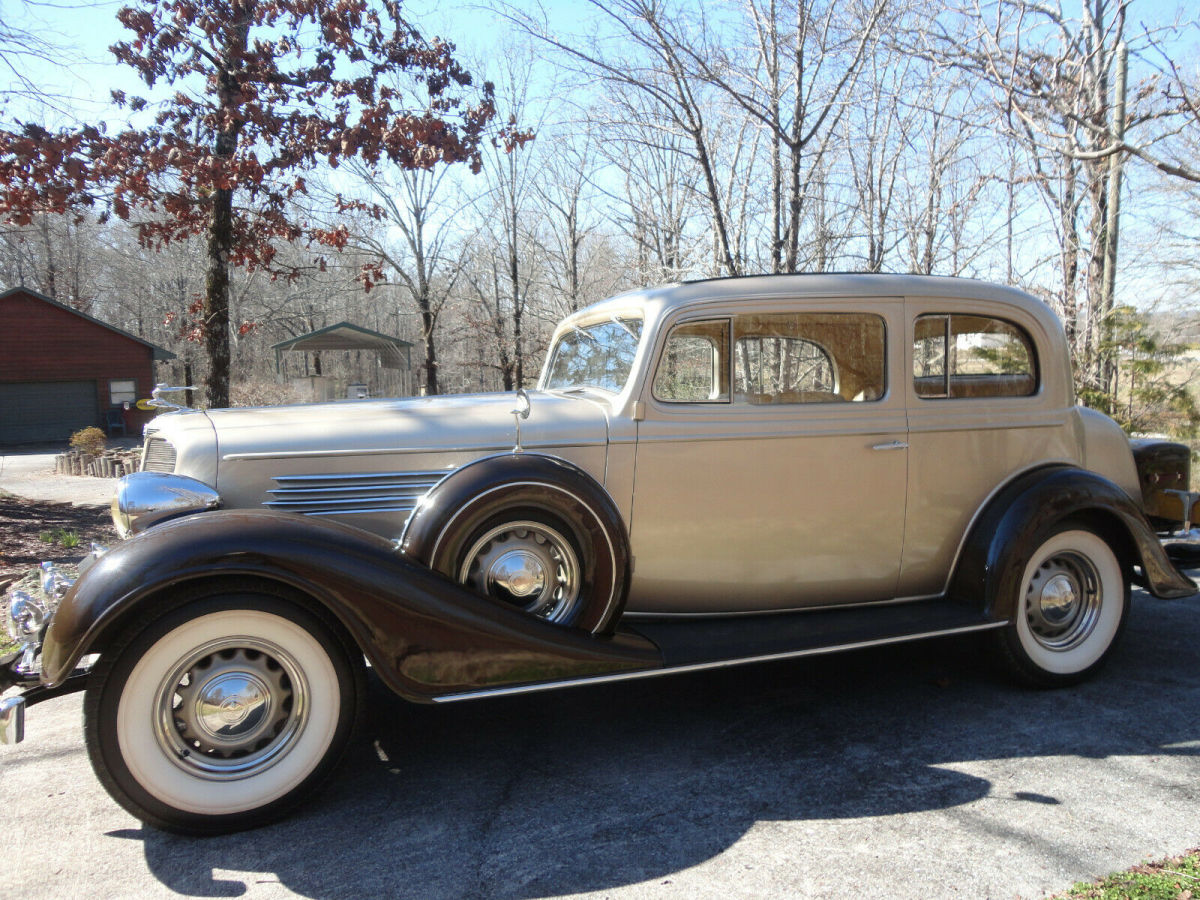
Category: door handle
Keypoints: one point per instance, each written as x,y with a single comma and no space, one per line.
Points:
891,445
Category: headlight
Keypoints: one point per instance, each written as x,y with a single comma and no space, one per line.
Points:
145,498
54,582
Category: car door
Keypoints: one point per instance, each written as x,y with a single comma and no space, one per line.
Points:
771,460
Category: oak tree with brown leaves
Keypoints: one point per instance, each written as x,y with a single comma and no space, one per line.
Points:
263,91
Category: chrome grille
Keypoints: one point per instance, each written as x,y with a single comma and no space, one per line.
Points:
159,456
343,494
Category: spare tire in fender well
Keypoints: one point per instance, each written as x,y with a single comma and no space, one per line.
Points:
482,491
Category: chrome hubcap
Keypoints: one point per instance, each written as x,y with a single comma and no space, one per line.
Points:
519,572
527,564
231,708
1062,601
228,708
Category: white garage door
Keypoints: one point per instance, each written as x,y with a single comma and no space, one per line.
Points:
46,411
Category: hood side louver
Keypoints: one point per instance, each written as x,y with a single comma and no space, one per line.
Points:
347,494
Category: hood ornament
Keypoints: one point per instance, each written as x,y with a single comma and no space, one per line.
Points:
161,388
520,411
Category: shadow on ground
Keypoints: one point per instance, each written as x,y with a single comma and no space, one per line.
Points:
597,788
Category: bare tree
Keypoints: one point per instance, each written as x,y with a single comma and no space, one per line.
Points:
424,210
52,255
942,181
572,211
1052,75
653,57
809,56
876,135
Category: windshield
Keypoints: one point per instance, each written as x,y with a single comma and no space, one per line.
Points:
599,355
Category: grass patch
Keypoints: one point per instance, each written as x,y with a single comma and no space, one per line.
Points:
65,539
1174,878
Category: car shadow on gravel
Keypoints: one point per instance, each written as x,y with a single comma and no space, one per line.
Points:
597,788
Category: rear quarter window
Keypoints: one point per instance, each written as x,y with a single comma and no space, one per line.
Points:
966,356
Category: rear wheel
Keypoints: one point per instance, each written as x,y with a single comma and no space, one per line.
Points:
1071,611
222,714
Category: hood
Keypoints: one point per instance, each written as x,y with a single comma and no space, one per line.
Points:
368,462
468,422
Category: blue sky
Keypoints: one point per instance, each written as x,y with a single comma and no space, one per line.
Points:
84,29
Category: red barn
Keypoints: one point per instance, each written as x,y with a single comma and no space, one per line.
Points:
61,370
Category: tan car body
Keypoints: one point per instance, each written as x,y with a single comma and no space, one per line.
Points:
730,508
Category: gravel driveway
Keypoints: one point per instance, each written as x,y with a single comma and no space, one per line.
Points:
30,473
912,772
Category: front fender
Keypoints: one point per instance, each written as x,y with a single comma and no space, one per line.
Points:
1015,521
424,634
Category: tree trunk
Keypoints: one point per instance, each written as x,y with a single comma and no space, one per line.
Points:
216,298
431,365
220,228
514,275
189,396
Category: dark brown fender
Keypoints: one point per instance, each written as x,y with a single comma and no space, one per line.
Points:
1017,519
425,635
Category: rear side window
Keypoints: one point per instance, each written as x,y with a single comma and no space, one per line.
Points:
808,358
958,356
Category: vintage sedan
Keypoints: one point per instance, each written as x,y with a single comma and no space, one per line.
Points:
708,474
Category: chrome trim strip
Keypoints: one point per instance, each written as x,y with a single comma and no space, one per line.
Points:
330,494
436,474
484,448
355,512
354,489
291,504
699,667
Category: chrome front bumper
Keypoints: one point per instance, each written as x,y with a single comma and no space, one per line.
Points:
12,720
26,610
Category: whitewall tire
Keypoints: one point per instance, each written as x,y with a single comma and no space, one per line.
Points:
1070,612
223,713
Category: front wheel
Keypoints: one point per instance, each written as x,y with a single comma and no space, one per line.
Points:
222,714
1071,610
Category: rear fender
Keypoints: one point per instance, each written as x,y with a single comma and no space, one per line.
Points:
424,634
1016,520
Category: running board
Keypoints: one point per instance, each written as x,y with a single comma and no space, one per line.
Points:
693,645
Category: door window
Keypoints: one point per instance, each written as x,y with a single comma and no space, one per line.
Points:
695,364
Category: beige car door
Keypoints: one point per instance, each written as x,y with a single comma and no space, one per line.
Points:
771,461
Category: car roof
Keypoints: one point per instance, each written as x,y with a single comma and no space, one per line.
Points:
667,297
